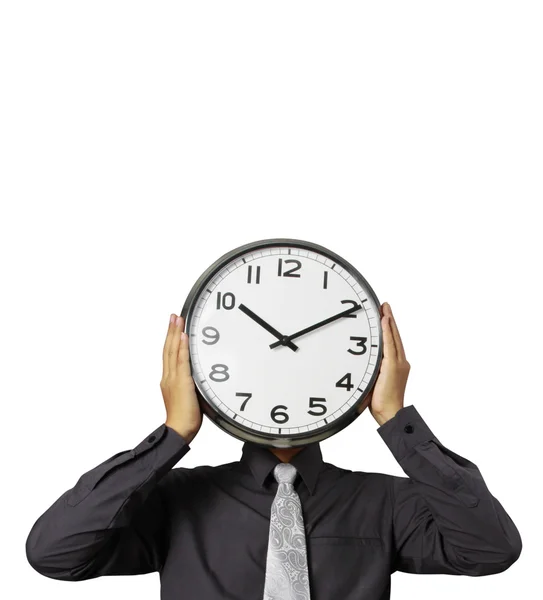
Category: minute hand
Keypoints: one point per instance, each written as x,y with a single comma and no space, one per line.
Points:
288,338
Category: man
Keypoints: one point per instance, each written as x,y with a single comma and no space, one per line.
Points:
205,530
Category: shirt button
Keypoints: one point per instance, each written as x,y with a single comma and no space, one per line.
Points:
409,428
151,439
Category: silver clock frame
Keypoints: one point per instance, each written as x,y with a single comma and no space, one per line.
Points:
246,434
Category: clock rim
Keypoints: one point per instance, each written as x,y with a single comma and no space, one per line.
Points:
243,432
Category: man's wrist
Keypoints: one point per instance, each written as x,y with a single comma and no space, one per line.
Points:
185,432
383,417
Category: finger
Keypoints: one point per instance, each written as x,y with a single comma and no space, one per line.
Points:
397,339
366,403
396,334
183,364
169,335
389,347
174,347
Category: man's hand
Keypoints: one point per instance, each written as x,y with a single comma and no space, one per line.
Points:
182,408
386,397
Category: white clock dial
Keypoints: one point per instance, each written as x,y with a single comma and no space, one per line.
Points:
286,389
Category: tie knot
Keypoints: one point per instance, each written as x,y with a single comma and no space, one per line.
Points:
284,473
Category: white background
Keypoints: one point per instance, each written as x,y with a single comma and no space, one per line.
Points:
140,141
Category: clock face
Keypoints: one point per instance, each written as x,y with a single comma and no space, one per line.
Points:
261,356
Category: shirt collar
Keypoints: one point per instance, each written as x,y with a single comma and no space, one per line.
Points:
261,461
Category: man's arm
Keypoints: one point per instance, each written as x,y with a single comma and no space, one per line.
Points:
445,519
111,522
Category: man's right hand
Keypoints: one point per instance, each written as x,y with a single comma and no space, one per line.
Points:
183,413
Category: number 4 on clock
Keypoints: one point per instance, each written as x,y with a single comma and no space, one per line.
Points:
347,385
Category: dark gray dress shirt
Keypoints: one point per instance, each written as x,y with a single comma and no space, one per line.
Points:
205,529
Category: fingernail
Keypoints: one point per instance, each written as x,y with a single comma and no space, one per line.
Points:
172,318
177,321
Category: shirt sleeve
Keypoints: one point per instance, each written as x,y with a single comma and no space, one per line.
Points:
445,520
112,521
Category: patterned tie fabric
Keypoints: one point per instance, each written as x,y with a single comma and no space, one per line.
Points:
286,563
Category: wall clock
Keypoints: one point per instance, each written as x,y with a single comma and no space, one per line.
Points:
285,342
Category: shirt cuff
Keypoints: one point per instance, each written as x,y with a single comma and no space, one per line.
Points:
405,430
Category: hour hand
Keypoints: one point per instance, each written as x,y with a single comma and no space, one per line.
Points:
268,327
287,338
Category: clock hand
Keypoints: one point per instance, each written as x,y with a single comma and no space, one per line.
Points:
282,339
288,338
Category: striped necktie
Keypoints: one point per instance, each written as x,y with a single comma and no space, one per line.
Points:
286,562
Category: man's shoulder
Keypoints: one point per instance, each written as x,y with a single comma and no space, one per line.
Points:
358,477
201,471
196,479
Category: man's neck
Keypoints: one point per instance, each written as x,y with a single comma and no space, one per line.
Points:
285,454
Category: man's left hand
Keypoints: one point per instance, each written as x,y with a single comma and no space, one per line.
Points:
386,397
